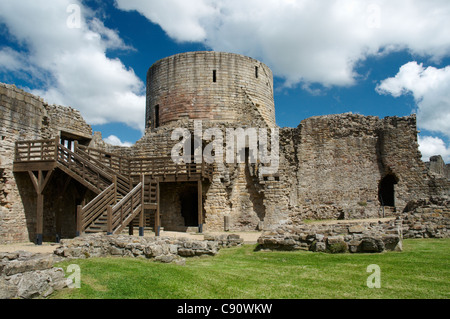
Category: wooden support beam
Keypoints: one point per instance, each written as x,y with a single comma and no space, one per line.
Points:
157,213
39,219
109,226
141,215
200,207
40,182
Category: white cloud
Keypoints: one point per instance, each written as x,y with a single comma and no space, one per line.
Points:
114,140
306,41
430,146
431,90
10,60
71,63
182,20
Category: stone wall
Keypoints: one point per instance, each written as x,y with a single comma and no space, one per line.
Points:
437,166
336,238
338,163
24,116
331,167
24,275
211,86
427,218
423,218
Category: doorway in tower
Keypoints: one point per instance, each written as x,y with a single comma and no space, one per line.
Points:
179,206
386,190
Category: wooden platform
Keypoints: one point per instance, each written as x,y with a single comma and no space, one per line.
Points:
125,187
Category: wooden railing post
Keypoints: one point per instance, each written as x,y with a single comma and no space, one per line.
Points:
29,151
141,215
109,230
157,214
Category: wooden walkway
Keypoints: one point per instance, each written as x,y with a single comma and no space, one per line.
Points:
125,187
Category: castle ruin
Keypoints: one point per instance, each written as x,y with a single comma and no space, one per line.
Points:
58,180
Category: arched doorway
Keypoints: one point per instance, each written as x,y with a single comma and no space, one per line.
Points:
386,190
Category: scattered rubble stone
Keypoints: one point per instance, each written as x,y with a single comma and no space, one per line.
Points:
25,275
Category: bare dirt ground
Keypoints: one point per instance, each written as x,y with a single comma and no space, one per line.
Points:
30,247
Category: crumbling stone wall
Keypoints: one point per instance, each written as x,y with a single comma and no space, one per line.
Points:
25,275
426,218
437,167
24,116
339,162
342,237
423,218
330,167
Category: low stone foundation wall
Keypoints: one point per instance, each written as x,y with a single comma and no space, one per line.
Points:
25,275
162,249
422,218
225,240
336,238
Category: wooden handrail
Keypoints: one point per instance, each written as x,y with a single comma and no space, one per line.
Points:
71,160
119,164
96,208
35,150
123,182
121,214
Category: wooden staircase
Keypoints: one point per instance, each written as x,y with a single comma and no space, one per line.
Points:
118,201
124,187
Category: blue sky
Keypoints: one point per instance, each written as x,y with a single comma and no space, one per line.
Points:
369,57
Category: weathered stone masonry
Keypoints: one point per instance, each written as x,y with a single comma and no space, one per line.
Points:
24,116
342,166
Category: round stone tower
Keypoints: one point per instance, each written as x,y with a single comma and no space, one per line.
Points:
211,86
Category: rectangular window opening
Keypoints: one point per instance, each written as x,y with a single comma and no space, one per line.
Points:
214,76
156,116
256,71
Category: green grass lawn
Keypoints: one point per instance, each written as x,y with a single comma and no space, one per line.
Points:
420,271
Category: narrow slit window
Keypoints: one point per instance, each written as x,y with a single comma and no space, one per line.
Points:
214,76
156,116
256,71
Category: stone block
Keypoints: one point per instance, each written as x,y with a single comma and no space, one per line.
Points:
357,229
372,245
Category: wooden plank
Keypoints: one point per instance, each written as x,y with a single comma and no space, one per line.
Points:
150,206
46,180
39,219
141,216
158,212
109,223
21,167
35,181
